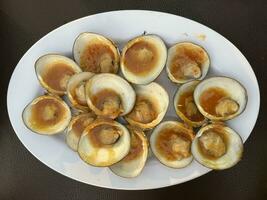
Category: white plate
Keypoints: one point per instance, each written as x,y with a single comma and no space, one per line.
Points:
121,26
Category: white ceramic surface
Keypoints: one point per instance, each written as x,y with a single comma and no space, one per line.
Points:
121,26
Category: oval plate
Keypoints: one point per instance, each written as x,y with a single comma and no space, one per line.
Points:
121,26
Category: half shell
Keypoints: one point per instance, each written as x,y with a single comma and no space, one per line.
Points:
95,53
151,106
217,146
170,142
47,115
143,58
220,98
186,62
104,142
109,95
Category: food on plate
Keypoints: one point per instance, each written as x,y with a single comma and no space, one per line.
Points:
133,163
143,58
47,115
109,95
99,96
95,53
76,127
217,146
76,90
187,61
151,105
104,142
53,72
171,144
220,98
185,106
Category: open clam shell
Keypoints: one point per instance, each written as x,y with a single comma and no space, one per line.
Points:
220,98
96,53
217,146
47,115
104,142
143,58
170,142
186,62
151,106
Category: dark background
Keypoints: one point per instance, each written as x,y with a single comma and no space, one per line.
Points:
22,23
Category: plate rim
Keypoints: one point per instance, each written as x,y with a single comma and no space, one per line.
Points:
151,12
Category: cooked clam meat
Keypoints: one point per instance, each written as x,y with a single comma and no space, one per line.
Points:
144,111
226,107
108,102
106,135
173,145
212,144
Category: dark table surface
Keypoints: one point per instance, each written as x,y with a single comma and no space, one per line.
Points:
22,23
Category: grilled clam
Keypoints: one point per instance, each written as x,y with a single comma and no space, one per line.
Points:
187,61
95,53
109,95
151,105
220,98
53,72
104,142
143,58
47,115
171,142
217,146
